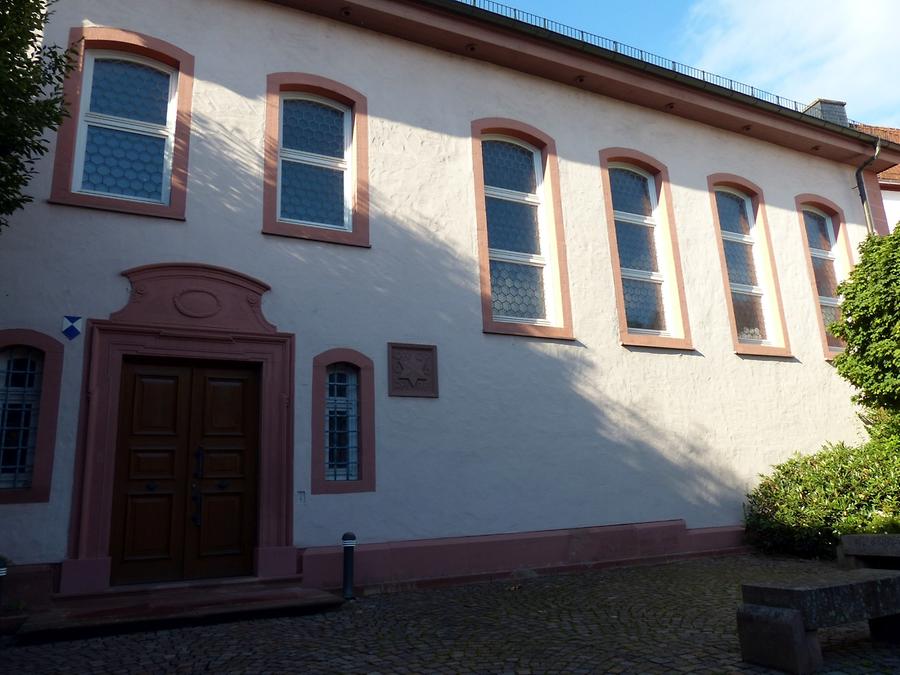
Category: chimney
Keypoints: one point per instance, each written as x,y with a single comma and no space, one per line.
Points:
828,110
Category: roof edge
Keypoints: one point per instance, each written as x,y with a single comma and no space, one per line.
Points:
472,32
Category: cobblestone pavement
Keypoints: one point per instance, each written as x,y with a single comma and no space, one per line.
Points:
673,618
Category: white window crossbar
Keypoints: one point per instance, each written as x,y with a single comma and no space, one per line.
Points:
642,275
824,255
512,195
741,238
516,257
634,218
747,290
337,163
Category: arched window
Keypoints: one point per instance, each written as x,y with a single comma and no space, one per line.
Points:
316,167
646,262
524,283
829,261
343,432
516,228
125,147
748,268
30,371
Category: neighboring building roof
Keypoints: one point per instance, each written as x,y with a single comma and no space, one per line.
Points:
891,134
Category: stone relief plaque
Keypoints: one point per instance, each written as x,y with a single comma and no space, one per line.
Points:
413,370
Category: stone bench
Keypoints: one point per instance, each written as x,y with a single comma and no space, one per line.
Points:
778,621
869,550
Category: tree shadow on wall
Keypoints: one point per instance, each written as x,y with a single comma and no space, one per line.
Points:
527,434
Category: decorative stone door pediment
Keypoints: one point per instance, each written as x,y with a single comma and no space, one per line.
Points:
194,296
182,311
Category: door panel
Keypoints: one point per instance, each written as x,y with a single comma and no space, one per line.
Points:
221,533
148,529
225,433
147,534
156,402
185,495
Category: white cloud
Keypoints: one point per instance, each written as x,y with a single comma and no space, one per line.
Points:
804,49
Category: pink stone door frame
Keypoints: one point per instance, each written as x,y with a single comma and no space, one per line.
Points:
182,311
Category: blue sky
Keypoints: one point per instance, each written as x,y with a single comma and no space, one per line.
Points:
800,49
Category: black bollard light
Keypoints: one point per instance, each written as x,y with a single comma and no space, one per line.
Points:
349,542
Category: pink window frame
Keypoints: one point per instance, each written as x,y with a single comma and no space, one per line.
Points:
666,228
843,251
85,38
276,85
366,482
547,147
48,414
781,344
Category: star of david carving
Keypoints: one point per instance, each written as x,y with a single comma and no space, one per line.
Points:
413,370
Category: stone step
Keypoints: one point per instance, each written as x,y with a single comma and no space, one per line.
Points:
134,608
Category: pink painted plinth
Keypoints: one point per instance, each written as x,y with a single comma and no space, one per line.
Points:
79,576
276,561
459,557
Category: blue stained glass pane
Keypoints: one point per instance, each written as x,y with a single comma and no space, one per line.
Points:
517,290
123,163
816,231
643,304
313,194
131,90
630,192
508,166
732,213
739,261
314,127
636,249
748,315
826,280
512,226
831,314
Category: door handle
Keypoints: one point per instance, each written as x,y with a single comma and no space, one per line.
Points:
199,456
197,498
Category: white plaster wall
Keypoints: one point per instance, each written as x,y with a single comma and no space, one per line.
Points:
527,434
891,207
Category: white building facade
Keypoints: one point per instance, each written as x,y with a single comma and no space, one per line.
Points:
486,300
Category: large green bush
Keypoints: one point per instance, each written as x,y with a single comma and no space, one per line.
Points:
806,504
870,324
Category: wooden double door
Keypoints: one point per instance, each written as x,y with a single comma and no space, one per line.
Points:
185,494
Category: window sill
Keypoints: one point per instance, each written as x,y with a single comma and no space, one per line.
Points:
32,495
312,233
341,487
763,350
657,341
118,205
528,330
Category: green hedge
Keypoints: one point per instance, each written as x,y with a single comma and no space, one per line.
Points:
806,504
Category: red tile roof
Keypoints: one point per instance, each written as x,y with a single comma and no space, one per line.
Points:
888,134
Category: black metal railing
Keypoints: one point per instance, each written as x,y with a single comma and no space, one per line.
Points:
641,55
